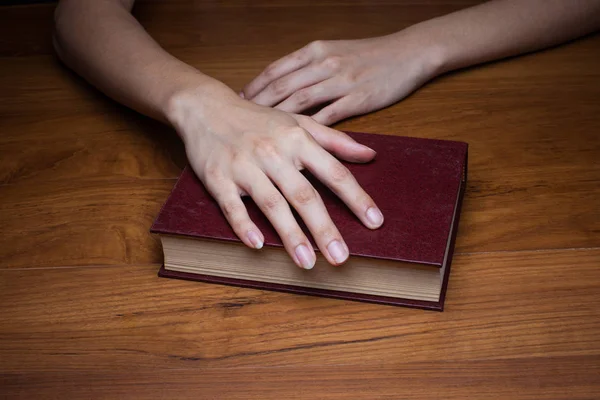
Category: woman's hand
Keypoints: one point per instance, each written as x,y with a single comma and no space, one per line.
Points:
239,148
358,76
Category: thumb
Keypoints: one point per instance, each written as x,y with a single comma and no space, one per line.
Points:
336,142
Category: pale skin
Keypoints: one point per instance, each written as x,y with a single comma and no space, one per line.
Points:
360,76
239,147
236,147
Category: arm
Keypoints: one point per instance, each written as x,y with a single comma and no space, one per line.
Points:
236,147
364,75
107,46
505,28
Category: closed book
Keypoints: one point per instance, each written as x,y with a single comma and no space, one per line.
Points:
417,183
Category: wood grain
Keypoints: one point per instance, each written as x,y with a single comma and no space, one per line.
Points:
43,152
81,223
106,221
500,306
83,314
285,24
533,170
571,378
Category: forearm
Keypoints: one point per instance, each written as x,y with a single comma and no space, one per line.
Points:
105,44
503,28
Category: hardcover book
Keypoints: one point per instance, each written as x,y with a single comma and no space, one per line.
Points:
417,183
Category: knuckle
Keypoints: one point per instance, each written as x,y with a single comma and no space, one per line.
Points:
296,134
305,118
326,232
317,46
332,63
304,195
214,173
266,148
269,72
365,200
232,210
237,155
299,56
279,87
295,235
211,171
339,173
362,200
303,97
272,201
330,115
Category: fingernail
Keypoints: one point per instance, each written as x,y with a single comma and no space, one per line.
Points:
375,216
337,251
242,95
305,257
255,239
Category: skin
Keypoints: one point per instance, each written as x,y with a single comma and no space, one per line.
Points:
236,147
360,76
239,147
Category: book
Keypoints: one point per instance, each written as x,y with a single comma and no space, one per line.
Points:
417,183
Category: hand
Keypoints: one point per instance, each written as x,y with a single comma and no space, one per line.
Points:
359,76
239,148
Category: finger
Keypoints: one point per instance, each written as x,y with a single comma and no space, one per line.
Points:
276,70
234,210
277,210
310,96
345,107
309,205
336,142
339,179
287,85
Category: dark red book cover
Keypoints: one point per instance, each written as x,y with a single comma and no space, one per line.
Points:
415,182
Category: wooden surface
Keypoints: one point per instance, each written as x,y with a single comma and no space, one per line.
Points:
83,315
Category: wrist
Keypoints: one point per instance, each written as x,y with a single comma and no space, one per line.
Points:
428,48
189,108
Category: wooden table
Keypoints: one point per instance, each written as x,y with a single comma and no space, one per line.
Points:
83,314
